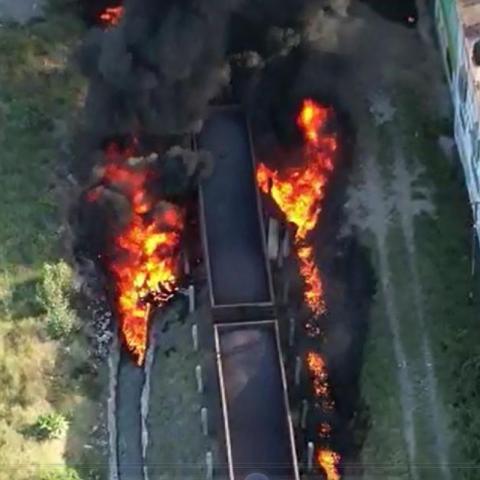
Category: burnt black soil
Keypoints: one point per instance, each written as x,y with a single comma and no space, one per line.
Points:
349,282
345,267
400,11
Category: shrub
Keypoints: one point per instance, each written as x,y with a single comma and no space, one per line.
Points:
60,474
49,426
6,293
54,294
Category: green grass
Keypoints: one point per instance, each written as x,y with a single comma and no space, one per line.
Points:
384,453
177,446
384,450
410,332
442,245
39,95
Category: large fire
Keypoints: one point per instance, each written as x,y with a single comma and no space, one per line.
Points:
145,256
298,192
111,16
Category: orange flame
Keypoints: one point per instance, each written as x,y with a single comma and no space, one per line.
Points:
318,369
325,430
329,461
111,16
299,190
145,259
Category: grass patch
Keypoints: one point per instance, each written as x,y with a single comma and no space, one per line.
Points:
384,450
443,246
177,446
39,93
411,338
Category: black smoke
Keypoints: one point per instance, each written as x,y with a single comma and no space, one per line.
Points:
154,75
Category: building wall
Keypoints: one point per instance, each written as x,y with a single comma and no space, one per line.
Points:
457,54
447,26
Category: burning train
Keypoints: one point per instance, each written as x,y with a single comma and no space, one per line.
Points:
145,99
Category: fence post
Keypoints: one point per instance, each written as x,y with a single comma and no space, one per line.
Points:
198,375
298,370
209,462
310,456
286,291
303,419
191,298
204,419
186,264
291,334
195,336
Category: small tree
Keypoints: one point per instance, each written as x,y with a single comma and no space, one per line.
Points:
49,426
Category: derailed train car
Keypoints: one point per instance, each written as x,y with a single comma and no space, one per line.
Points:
258,426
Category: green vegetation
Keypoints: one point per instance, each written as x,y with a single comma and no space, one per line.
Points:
60,474
442,248
54,294
49,426
443,244
42,380
177,446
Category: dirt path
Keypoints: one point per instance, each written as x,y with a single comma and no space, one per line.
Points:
371,211
412,200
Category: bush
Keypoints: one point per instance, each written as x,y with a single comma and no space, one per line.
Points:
60,474
6,293
54,294
49,426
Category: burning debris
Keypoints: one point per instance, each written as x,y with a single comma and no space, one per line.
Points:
102,13
329,461
111,16
152,73
321,387
298,192
143,258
